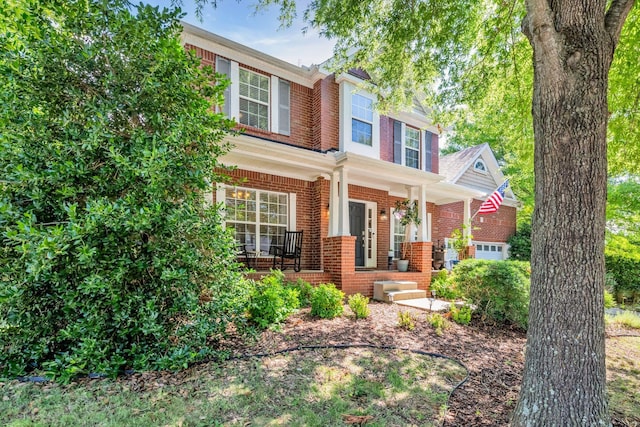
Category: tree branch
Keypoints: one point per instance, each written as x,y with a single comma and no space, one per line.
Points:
616,15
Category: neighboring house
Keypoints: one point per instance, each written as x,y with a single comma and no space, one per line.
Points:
316,156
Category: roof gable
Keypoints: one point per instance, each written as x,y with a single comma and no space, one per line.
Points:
458,168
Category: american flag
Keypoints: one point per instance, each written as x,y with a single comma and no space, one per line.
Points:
494,201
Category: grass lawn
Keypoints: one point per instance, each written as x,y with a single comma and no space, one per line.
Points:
310,388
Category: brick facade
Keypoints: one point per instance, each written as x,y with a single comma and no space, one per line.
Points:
315,126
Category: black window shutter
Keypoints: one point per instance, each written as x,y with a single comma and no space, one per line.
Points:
397,142
428,136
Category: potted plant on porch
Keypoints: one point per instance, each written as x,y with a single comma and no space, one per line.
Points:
407,213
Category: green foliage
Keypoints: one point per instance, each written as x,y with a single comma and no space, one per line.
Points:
461,315
609,300
359,304
108,141
622,259
271,301
444,288
520,243
305,289
326,301
406,320
499,289
438,323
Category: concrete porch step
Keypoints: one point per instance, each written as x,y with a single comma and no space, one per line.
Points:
395,290
393,296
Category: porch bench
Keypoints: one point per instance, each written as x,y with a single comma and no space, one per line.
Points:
389,291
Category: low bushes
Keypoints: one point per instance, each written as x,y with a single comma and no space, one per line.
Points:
359,304
326,301
499,289
271,302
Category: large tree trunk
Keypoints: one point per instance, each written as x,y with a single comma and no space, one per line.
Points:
564,379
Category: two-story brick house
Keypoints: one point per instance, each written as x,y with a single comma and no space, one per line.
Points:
316,156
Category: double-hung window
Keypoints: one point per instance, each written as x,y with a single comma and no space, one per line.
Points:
361,119
412,147
258,217
254,99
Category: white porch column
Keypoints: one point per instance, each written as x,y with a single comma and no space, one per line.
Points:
343,204
413,191
466,221
423,235
333,205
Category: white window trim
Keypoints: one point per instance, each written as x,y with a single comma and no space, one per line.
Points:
221,194
373,151
274,98
485,170
405,148
268,103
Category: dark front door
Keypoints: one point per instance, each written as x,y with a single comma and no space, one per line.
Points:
356,225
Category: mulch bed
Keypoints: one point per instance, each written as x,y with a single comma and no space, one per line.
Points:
493,356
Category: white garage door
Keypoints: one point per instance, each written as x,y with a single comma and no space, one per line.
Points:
493,251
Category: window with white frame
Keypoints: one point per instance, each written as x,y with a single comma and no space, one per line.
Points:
361,119
254,99
480,166
258,217
397,236
412,147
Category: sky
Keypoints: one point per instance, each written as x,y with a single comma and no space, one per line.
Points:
237,21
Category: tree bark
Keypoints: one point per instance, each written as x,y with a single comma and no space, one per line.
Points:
564,378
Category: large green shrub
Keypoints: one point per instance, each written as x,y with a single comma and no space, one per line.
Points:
499,289
520,243
444,287
108,143
622,259
271,301
326,301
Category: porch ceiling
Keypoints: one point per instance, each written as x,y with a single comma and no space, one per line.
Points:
259,155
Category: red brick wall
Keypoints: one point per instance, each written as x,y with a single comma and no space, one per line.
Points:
325,115
386,138
496,227
301,108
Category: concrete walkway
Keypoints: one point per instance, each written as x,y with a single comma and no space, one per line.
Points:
426,304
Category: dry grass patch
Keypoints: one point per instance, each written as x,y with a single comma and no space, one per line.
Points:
623,379
301,388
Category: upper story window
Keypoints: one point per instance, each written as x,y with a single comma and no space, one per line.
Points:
361,119
412,148
254,99
480,166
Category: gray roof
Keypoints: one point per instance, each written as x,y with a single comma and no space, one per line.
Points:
452,164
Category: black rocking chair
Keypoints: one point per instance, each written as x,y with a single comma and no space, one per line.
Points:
291,249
